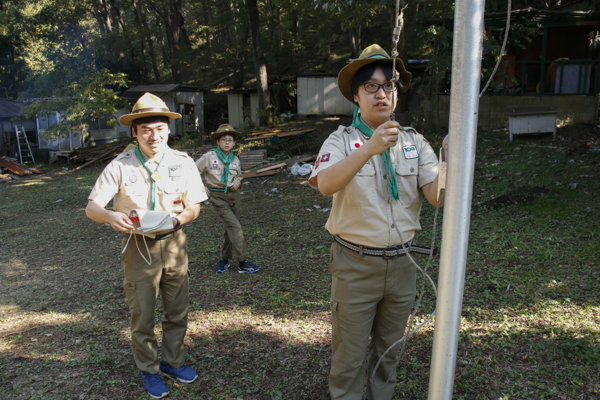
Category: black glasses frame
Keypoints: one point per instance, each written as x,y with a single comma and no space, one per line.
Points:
380,85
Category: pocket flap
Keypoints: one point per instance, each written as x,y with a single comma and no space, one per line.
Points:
334,305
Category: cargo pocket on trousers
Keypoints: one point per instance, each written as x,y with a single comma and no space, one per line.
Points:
336,334
132,299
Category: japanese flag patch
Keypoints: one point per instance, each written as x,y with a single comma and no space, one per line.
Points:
410,152
215,164
355,144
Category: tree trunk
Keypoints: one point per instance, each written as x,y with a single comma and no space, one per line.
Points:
102,16
208,22
259,65
170,12
116,14
141,16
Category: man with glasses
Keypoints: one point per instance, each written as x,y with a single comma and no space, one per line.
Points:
377,174
223,175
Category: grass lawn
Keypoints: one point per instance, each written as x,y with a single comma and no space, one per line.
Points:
531,313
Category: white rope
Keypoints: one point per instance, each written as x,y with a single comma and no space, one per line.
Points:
138,247
425,275
506,30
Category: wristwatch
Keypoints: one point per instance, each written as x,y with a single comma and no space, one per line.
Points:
177,223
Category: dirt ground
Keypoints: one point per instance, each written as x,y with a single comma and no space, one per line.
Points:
64,320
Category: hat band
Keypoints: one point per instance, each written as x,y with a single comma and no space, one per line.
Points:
141,110
378,56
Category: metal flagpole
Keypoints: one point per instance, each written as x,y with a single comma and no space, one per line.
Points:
464,111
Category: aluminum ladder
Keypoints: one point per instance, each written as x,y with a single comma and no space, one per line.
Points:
25,154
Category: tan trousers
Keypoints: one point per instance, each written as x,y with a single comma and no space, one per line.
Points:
169,274
370,296
228,205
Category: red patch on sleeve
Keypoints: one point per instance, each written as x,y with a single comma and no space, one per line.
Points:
325,157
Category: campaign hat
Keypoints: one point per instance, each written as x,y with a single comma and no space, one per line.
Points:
224,129
148,105
369,55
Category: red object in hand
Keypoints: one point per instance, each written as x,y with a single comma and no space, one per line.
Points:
134,219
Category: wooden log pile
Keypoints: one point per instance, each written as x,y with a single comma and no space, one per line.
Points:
86,156
252,158
14,170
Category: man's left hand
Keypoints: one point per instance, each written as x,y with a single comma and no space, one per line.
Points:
445,146
235,186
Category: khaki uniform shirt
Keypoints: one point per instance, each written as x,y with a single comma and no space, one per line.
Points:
213,169
178,186
360,212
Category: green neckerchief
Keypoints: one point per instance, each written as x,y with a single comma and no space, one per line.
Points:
226,161
154,176
358,123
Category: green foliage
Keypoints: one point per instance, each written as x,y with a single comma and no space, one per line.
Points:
91,98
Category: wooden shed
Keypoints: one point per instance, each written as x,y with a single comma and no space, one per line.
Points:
242,104
318,94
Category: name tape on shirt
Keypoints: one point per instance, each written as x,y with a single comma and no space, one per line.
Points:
410,152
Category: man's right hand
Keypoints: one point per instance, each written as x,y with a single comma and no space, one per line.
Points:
384,137
117,220
120,222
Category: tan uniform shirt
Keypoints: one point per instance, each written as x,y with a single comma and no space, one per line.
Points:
179,184
360,212
213,169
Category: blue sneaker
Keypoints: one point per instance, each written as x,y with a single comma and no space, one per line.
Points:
184,373
154,385
223,266
248,267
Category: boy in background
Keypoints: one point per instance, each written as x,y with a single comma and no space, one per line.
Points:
223,175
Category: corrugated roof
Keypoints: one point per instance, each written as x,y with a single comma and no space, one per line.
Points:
10,108
163,88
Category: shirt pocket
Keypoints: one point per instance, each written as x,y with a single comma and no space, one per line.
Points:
361,189
135,190
407,177
174,192
216,173
233,173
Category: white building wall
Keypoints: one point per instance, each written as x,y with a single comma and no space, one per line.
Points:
235,112
319,95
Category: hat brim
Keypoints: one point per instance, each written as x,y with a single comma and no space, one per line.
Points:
347,74
127,119
216,135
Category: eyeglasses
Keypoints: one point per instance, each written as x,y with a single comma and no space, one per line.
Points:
227,140
372,87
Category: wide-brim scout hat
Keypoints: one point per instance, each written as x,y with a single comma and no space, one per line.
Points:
224,129
369,55
148,105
